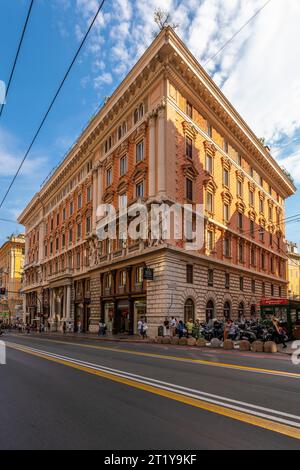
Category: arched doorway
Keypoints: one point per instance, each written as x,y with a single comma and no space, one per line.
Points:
227,310
210,310
189,310
241,310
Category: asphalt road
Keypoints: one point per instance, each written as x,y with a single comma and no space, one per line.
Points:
80,394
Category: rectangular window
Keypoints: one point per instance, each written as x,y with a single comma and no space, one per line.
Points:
209,202
189,109
227,281
89,194
251,198
70,236
88,225
241,283
226,177
253,286
109,177
240,220
240,189
188,147
270,213
241,252
209,163
226,213
210,240
63,240
78,231
139,189
79,201
225,146
240,160
139,275
123,165
227,247
57,219
272,290
123,276
64,213
209,129
263,261
252,256
71,208
263,288
261,206
189,273
252,228
140,151
189,189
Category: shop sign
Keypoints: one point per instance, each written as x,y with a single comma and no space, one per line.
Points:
274,302
148,274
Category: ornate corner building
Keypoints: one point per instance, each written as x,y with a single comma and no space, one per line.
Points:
167,134
12,254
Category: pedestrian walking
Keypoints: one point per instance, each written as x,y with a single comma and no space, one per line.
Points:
79,327
140,327
181,329
145,329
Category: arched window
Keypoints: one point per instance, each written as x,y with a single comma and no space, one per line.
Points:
119,132
141,111
189,310
210,310
241,310
227,310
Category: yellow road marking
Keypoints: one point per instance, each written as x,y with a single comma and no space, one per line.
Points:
173,358
217,409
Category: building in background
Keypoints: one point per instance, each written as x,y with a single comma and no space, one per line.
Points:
293,271
167,134
12,254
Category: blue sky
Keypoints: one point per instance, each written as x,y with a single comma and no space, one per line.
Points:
257,71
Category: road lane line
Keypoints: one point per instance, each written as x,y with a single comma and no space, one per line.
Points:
240,368
272,423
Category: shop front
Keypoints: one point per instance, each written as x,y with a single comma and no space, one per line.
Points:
279,308
121,316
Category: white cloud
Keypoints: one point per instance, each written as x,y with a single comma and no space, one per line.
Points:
10,158
104,79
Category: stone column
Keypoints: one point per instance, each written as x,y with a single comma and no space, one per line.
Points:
161,164
68,303
152,151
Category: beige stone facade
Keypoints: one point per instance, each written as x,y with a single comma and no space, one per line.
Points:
167,134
